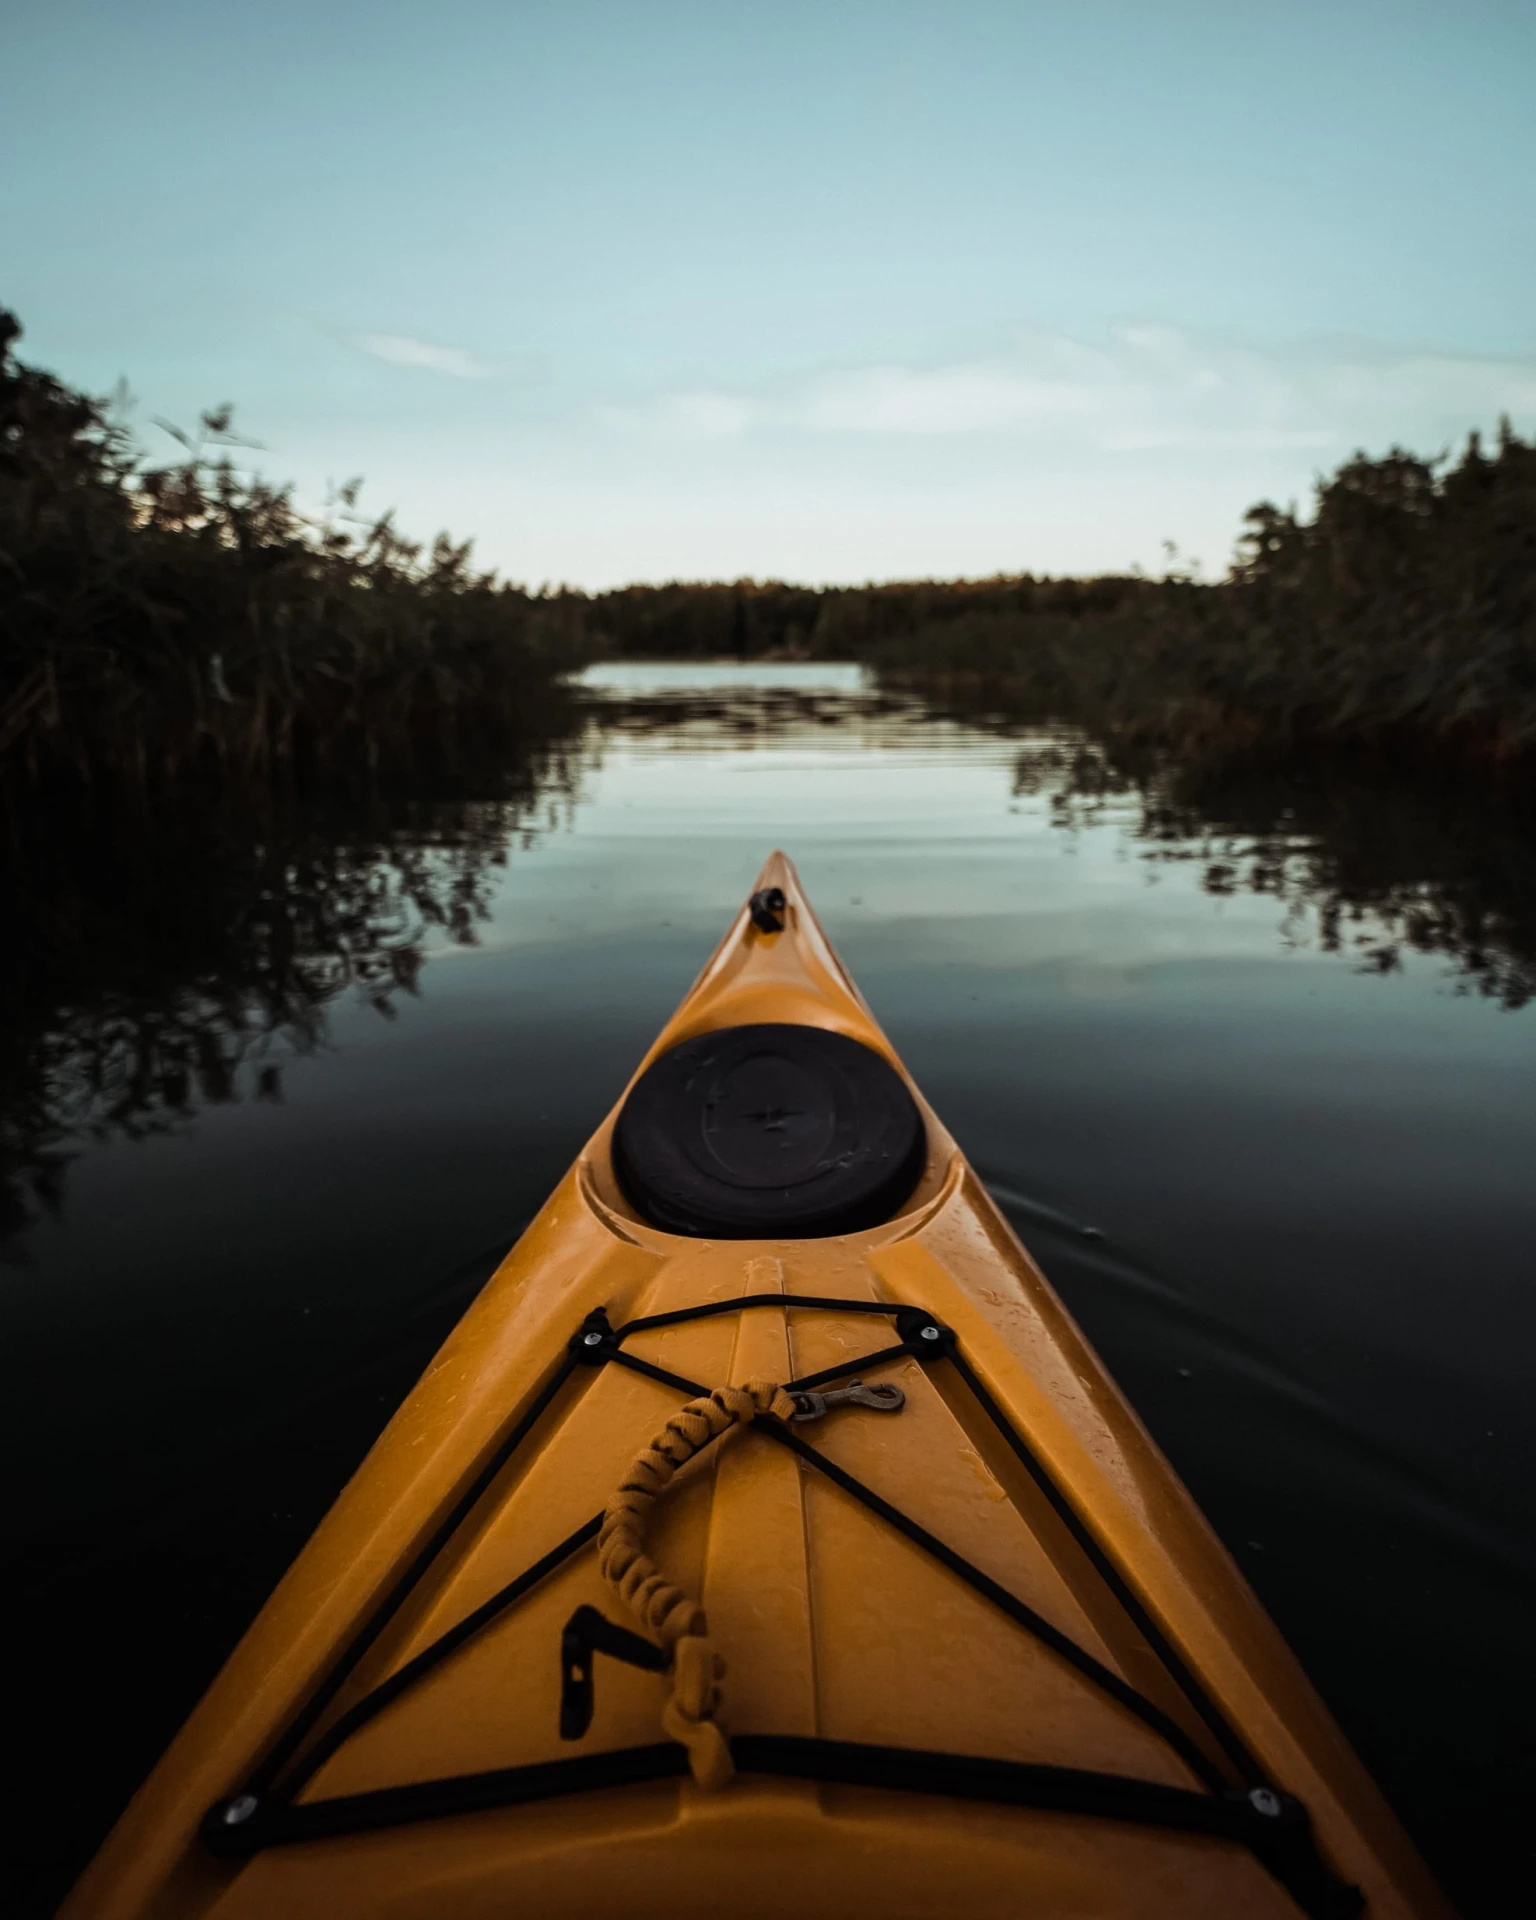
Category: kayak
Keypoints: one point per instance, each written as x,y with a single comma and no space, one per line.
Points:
766,1533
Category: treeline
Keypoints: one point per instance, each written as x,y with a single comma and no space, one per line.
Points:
742,619
1405,605
891,625
156,621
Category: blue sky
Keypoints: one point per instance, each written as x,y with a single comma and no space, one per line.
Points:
640,291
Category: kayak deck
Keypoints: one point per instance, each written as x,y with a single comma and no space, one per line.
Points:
982,1653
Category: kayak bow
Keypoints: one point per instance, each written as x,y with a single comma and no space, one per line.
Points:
766,1530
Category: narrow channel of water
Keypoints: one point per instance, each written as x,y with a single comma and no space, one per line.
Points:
1249,1064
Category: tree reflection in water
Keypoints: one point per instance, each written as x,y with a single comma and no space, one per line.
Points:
175,953
1365,855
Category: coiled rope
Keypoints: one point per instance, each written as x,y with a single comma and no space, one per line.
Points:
660,1607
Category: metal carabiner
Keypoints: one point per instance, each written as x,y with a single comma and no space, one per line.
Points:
884,1399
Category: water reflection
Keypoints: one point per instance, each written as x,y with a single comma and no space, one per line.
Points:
709,707
1363,856
179,957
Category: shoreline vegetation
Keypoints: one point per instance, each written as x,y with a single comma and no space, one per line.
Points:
186,623
186,620
1401,614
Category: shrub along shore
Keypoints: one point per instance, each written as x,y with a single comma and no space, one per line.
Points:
187,621
156,622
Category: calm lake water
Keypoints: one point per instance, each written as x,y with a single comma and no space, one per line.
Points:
1250,1068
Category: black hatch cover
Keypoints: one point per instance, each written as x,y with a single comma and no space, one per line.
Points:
768,1132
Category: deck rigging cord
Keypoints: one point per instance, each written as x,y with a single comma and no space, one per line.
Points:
266,1811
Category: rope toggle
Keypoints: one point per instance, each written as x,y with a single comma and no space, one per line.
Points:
661,1608
691,1714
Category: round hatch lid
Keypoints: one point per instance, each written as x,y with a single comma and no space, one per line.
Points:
768,1132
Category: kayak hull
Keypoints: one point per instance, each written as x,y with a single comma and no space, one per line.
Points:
844,1636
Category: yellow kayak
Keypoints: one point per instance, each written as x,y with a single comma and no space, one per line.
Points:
766,1538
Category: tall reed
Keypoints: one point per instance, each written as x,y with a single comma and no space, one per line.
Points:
156,620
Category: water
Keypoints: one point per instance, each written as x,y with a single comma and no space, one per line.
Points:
1247,1060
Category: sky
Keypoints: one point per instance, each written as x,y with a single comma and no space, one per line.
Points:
649,289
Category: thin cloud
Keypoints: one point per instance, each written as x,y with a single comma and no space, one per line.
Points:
701,415
400,350
1145,387
984,398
